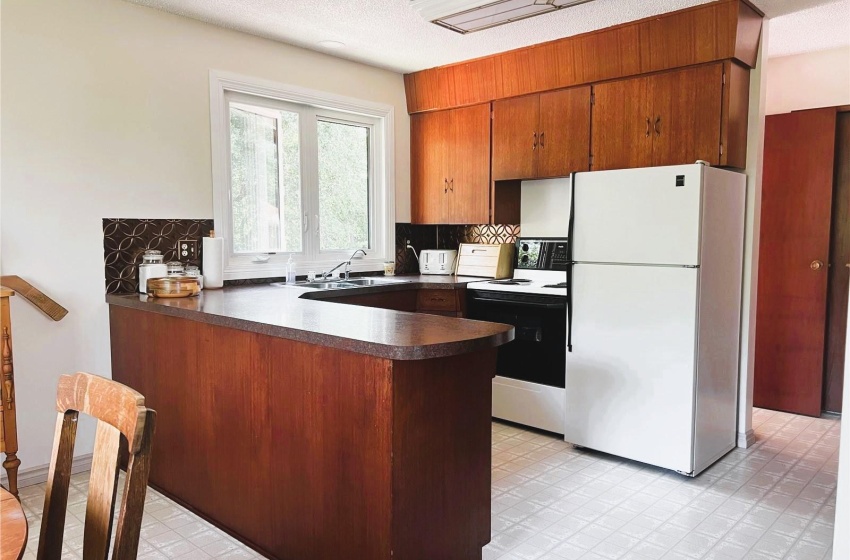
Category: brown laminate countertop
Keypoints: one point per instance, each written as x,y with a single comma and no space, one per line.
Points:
298,313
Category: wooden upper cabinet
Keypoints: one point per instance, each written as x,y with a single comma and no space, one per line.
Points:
669,118
709,32
686,115
428,167
621,133
450,166
564,132
541,135
469,166
515,130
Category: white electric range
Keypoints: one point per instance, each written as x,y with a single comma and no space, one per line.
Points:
529,386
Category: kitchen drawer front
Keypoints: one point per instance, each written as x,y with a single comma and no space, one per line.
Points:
437,300
474,250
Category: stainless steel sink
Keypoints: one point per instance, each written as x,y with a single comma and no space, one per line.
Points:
342,284
327,285
373,281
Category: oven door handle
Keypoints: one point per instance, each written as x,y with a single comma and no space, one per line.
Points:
522,303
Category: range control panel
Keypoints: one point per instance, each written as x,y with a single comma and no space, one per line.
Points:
542,253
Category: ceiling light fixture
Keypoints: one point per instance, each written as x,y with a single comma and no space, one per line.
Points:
466,16
331,44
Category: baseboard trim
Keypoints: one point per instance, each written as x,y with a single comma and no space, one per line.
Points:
746,439
38,475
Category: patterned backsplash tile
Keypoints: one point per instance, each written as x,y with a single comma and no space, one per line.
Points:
125,240
444,237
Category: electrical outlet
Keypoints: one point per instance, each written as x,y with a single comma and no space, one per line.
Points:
187,250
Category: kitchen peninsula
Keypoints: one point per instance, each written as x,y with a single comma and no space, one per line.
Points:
314,429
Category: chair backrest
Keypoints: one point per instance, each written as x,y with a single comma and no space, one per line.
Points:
124,425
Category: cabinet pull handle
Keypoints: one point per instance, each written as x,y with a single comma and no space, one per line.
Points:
534,143
445,185
542,137
452,185
657,126
647,127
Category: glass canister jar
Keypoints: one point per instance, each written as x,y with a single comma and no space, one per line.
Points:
175,268
194,272
151,267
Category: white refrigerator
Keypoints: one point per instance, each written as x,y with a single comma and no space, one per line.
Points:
655,314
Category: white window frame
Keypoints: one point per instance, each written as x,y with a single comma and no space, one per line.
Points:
331,107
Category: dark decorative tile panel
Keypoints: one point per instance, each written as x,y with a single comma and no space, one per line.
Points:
500,233
126,240
444,237
420,237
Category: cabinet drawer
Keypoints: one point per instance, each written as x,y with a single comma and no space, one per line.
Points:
437,300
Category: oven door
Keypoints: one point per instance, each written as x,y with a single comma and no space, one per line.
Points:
538,352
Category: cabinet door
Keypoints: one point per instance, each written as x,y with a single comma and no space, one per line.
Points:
620,134
469,166
564,141
429,148
686,115
515,140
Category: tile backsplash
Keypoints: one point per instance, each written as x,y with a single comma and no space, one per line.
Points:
126,239
444,237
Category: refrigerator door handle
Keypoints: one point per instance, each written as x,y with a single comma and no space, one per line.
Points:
570,261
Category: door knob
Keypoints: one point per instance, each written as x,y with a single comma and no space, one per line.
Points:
816,265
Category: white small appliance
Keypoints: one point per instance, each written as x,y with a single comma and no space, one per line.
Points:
655,313
437,261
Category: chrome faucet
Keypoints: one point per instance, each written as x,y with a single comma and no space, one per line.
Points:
343,263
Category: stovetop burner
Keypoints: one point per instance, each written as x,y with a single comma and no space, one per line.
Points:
511,281
561,285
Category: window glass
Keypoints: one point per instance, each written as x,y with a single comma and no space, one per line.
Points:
265,180
343,185
290,150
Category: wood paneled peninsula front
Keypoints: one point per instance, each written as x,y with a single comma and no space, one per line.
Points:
314,429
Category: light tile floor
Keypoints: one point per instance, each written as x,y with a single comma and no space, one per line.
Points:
550,501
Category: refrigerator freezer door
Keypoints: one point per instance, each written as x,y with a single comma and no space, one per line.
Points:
642,216
631,375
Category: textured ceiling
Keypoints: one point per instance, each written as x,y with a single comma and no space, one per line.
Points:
390,34
817,28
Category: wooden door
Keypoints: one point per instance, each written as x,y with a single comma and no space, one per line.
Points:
621,127
564,141
799,151
469,166
515,137
428,167
839,271
686,108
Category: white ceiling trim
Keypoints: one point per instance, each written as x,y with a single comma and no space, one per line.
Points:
391,34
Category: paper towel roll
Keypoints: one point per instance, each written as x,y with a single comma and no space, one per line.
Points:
213,262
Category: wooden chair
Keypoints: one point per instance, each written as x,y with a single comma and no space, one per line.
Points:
124,425
8,414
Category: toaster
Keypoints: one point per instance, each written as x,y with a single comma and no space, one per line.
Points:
437,261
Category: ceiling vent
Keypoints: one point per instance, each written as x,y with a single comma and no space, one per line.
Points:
466,16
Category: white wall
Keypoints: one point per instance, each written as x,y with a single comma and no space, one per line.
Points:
808,81
755,157
545,208
105,113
